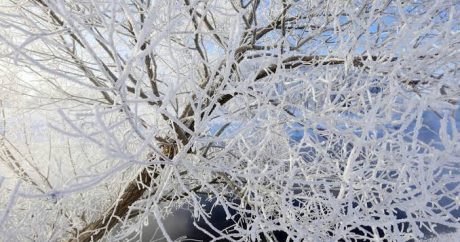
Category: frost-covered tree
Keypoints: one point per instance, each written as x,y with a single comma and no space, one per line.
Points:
324,120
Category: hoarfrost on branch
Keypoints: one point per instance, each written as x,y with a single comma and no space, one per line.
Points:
323,120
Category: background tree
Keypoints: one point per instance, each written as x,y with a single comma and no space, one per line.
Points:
320,119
